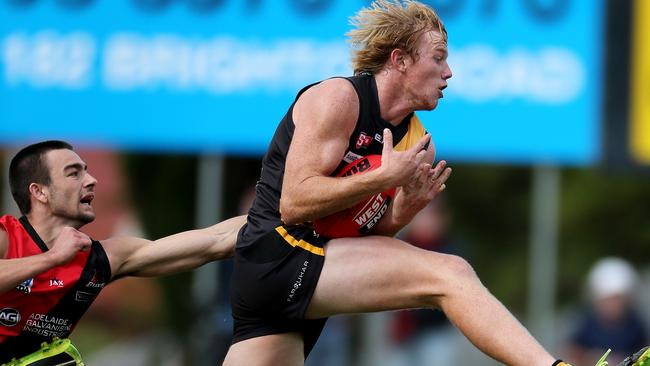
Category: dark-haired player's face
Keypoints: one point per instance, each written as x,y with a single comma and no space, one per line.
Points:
71,188
428,71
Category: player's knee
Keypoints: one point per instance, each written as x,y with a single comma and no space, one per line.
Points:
448,275
459,268
457,275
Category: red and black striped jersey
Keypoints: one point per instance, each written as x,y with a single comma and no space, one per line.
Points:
51,303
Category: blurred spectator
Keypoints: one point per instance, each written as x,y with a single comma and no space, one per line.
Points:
612,320
425,337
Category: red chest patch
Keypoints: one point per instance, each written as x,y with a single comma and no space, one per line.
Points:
363,141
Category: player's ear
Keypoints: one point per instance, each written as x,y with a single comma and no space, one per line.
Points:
398,59
39,192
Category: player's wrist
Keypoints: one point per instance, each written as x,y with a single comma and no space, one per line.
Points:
54,258
379,179
398,218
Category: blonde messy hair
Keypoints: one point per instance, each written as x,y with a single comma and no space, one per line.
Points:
387,25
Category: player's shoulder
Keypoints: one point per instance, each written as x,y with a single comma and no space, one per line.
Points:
334,101
335,92
338,84
339,89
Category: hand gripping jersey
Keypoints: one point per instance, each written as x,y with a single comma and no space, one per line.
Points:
366,139
51,303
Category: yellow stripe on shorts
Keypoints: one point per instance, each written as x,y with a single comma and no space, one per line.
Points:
299,243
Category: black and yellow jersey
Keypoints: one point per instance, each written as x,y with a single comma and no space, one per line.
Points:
366,139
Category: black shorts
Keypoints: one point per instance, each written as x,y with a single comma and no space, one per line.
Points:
273,281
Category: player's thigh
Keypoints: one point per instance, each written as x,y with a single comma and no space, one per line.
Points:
269,350
380,273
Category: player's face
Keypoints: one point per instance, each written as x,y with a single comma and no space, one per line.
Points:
427,72
71,188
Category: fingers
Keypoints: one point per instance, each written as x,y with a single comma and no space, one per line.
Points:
420,156
86,242
419,147
388,142
422,174
439,178
438,169
432,176
445,175
81,240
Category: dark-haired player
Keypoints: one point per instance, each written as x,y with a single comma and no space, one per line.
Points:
50,272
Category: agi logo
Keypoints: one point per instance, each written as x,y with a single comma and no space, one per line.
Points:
9,317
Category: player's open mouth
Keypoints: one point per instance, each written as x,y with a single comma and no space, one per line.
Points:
87,199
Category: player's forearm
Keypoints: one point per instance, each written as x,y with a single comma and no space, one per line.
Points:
224,236
319,196
389,225
172,254
13,272
402,212
185,251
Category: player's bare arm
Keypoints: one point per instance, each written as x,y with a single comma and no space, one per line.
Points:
324,118
184,251
15,271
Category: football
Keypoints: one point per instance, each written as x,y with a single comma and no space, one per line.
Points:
360,219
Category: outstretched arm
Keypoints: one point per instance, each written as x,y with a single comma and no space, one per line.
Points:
13,272
175,253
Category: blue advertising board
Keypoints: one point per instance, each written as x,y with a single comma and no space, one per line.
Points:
218,75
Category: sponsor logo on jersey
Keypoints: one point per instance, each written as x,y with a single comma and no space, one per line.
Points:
9,317
26,286
298,282
363,141
93,283
47,325
56,282
82,296
350,157
371,213
379,138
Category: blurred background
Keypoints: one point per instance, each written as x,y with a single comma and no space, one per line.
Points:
172,103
